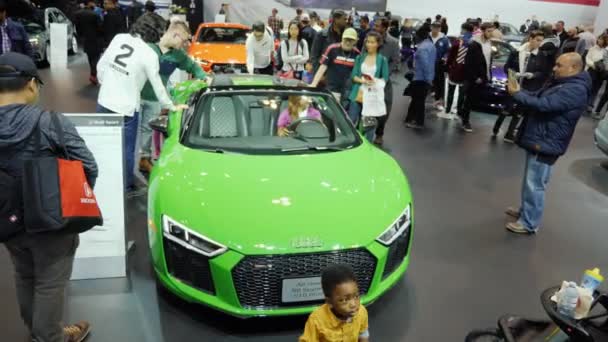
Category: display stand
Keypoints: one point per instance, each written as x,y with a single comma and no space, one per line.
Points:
220,18
58,50
102,250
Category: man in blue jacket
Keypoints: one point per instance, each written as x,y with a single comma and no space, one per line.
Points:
12,35
424,73
551,115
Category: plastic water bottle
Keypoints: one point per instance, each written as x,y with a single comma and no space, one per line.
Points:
568,300
592,279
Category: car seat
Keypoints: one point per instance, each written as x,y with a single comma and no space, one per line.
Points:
223,119
260,119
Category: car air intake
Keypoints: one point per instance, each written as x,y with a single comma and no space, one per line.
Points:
189,267
397,252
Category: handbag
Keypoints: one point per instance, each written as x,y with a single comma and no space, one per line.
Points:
58,195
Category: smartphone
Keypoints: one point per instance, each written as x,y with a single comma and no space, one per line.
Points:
367,77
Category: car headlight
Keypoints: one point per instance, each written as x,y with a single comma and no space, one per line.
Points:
34,41
396,228
186,237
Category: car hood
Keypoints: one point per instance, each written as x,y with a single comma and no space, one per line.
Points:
219,53
266,204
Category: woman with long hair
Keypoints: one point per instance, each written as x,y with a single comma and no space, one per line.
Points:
298,107
370,67
294,52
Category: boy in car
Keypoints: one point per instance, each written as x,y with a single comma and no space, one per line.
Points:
342,317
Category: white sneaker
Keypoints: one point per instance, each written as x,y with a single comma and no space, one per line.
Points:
454,111
439,107
443,115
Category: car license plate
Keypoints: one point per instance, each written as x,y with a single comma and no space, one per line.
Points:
302,290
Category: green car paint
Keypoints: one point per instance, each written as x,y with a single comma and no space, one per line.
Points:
259,205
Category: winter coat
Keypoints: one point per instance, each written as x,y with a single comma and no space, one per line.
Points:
539,65
424,61
456,71
476,66
20,41
322,41
88,26
18,125
552,114
113,23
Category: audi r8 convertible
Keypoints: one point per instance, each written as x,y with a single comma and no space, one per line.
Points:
247,204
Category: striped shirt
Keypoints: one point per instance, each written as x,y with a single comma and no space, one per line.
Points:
339,64
6,40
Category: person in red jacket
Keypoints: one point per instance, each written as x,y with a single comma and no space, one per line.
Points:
456,76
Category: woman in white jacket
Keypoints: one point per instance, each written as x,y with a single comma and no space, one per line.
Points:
294,52
595,64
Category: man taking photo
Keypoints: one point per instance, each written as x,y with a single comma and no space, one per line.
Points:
551,115
43,262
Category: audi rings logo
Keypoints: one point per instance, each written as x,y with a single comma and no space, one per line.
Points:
88,192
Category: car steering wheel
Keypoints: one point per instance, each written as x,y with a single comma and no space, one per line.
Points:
294,126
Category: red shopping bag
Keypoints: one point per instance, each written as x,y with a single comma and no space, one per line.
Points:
57,196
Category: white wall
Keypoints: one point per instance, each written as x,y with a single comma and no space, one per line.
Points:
514,12
601,20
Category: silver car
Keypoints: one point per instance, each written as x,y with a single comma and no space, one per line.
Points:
601,135
40,37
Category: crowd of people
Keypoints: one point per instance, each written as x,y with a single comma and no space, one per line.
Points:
555,76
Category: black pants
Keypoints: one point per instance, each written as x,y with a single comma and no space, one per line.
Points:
388,100
596,84
264,71
93,56
459,102
515,119
439,81
415,112
471,97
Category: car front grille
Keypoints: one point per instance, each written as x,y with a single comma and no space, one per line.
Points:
229,68
189,267
397,252
258,280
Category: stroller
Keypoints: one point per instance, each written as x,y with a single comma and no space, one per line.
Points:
593,328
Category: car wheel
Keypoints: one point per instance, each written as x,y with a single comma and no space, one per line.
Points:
46,56
74,48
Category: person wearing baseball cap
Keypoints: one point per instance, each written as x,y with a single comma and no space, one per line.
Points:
338,62
308,33
42,262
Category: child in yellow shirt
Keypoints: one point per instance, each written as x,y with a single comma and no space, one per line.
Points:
342,318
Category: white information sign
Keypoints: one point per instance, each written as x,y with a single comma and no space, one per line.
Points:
58,51
102,250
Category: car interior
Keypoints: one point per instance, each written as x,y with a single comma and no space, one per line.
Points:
254,116
223,35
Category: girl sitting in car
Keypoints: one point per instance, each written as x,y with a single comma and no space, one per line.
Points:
298,107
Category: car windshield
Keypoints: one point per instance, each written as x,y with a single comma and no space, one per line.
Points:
500,52
223,35
269,122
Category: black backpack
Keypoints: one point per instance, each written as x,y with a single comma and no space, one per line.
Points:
280,57
11,206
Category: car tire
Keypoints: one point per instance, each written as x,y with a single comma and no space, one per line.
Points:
45,62
75,48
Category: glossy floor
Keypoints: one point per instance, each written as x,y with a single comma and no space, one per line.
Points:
466,269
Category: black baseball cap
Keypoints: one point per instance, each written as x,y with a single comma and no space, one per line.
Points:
22,65
150,6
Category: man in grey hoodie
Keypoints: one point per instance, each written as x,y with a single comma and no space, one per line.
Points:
43,262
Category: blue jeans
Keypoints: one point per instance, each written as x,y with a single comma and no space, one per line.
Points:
536,178
354,114
130,136
149,110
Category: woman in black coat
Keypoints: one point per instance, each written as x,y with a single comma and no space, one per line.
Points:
533,67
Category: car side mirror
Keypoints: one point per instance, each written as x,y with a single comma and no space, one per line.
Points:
160,124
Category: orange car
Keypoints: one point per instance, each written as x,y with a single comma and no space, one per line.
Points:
220,47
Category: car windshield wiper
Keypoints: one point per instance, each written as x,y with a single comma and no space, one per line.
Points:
315,148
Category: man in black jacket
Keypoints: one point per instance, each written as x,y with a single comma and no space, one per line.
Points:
13,36
113,21
88,26
560,32
308,33
477,72
327,37
533,69
43,263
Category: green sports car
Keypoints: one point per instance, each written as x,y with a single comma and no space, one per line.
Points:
261,184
